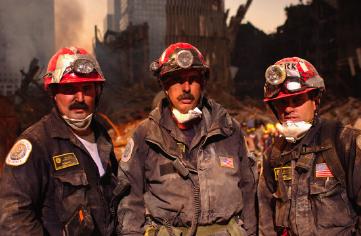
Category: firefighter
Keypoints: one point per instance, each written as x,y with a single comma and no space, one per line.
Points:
187,163
60,176
311,178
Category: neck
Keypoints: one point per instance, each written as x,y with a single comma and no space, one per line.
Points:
84,133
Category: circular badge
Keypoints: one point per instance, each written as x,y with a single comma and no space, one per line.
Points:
19,153
127,154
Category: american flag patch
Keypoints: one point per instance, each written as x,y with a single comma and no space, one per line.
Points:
322,170
226,162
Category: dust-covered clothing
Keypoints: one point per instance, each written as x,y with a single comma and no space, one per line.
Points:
217,162
50,183
312,187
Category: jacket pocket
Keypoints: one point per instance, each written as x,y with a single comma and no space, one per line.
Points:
329,199
283,204
70,190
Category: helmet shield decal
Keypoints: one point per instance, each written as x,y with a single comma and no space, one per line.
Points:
78,63
72,65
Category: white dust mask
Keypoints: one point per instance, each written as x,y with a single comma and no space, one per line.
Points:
190,115
79,124
293,131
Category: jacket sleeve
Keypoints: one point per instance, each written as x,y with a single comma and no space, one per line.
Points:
249,185
131,210
21,189
266,202
352,141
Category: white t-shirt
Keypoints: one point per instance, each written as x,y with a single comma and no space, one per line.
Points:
93,151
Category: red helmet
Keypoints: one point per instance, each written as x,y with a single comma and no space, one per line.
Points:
72,65
289,77
179,56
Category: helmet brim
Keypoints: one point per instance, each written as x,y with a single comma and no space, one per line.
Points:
282,95
73,78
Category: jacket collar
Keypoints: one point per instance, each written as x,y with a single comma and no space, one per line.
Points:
283,152
59,129
215,121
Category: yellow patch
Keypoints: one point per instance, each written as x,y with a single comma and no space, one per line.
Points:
64,161
19,153
181,147
286,172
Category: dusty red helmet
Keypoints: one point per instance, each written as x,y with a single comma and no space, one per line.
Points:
179,56
291,76
72,65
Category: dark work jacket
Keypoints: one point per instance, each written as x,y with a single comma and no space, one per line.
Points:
318,192
159,190
37,199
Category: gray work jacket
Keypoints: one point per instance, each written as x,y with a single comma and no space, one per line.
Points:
312,187
224,172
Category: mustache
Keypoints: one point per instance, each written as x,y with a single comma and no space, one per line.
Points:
79,105
185,96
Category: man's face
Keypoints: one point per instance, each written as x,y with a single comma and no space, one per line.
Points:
184,89
76,100
295,108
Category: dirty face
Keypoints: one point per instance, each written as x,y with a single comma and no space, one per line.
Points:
184,89
75,100
295,108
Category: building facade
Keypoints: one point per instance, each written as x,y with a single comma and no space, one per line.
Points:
202,23
138,12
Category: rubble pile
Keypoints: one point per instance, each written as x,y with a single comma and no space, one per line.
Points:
347,110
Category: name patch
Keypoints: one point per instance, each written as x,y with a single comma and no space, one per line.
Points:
285,171
64,161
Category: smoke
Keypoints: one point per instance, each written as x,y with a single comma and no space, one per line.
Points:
69,17
26,32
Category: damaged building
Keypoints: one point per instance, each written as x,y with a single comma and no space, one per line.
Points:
326,32
202,23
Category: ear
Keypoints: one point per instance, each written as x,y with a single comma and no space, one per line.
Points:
98,89
316,103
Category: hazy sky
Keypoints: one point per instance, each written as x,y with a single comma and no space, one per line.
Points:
264,14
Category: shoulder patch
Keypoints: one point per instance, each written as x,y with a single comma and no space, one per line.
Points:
127,154
19,153
358,141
